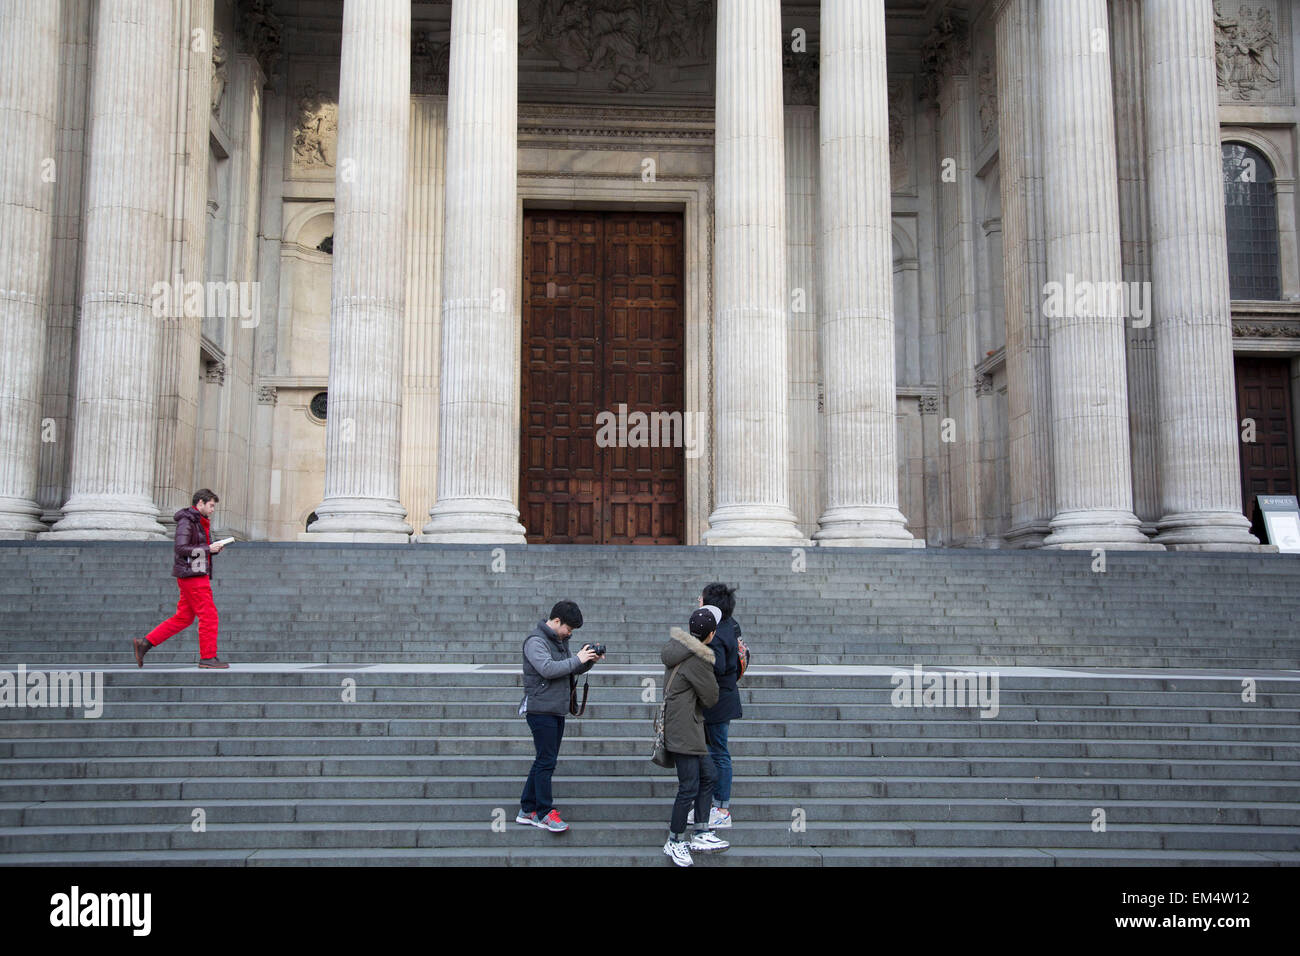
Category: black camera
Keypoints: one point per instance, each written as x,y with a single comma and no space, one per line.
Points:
598,648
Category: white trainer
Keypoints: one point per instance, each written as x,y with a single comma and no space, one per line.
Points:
707,842
719,818
679,852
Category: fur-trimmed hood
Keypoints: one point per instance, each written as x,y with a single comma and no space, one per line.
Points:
682,646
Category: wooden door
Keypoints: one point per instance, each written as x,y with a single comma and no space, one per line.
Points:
1264,394
603,326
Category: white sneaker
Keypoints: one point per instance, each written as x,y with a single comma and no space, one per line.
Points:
707,842
678,852
719,818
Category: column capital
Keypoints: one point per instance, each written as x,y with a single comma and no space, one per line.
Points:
944,52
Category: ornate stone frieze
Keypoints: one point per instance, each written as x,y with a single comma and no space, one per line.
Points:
1250,330
624,40
900,141
266,394
215,373
983,384
929,404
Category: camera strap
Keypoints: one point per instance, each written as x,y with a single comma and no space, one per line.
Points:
574,708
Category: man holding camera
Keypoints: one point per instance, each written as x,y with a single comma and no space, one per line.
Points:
550,674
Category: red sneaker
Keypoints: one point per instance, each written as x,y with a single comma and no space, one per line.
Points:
553,822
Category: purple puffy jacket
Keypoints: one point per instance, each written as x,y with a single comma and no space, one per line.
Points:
194,555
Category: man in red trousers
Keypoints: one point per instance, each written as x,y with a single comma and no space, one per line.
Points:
192,568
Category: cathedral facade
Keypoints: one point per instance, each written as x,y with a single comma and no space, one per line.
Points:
881,273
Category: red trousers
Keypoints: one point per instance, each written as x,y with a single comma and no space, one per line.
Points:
195,600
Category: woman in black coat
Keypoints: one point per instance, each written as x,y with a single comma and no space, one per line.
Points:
718,718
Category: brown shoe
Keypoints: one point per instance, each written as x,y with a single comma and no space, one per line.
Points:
213,663
141,647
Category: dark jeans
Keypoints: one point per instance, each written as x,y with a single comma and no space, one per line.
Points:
716,735
695,777
548,731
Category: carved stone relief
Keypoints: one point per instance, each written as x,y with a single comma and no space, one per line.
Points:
621,41
1250,45
316,129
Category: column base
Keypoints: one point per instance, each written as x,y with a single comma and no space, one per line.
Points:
472,521
1028,536
1110,530
358,519
108,518
758,526
1207,531
20,520
864,527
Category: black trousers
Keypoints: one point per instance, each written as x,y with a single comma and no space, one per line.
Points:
695,777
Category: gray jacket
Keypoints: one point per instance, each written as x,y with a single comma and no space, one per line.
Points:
547,668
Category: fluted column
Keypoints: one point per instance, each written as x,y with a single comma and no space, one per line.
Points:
750,338
478,433
125,253
1200,481
368,293
857,324
1020,161
178,381
422,333
29,88
1090,430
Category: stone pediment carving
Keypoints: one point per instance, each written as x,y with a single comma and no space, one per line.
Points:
1247,47
623,41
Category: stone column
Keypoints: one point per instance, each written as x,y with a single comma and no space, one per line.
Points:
1020,160
1200,478
750,339
125,254
368,294
478,433
1090,429
29,93
1128,82
178,386
857,326
801,159
423,288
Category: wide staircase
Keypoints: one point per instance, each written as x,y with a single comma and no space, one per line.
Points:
1149,713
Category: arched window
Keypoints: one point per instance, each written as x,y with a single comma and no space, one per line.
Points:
1251,198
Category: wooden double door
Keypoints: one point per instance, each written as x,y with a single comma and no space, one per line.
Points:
603,327
1268,464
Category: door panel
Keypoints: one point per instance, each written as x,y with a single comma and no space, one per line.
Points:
603,325
1264,394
